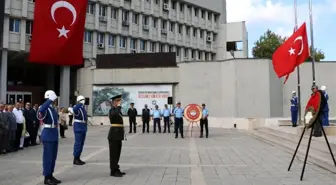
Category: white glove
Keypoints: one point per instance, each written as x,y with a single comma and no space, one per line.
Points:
52,97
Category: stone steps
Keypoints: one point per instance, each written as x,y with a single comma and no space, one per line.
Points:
318,154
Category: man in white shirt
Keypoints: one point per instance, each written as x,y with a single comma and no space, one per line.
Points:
19,139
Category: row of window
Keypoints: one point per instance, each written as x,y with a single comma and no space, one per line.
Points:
103,9
14,26
133,44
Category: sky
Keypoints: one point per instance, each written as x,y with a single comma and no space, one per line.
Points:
278,16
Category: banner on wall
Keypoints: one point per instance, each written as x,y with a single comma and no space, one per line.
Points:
138,94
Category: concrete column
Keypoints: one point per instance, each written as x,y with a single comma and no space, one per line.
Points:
130,19
24,11
119,20
65,86
3,75
97,16
23,35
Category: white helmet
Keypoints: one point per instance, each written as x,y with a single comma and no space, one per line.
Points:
323,88
293,92
49,93
81,99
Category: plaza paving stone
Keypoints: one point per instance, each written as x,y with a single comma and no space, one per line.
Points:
227,157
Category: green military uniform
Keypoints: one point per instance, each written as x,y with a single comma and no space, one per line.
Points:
115,137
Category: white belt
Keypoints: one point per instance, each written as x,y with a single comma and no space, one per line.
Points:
293,105
79,121
49,126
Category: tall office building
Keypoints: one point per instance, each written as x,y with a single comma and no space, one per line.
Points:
194,29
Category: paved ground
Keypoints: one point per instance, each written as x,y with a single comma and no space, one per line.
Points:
228,157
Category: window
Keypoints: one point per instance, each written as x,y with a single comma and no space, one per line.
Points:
153,47
199,55
173,5
87,36
133,44
215,17
171,49
32,1
135,18
154,23
189,10
102,10
145,20
14,25
196,12
192,54
179,29
185,52
29,27
209,16
187,31
177,51
203,14
181,7
142,45
100,38
114,13
163,24
162,48
156,1
201,34
172,26
90,9
194,32
122,43
125,15
111,41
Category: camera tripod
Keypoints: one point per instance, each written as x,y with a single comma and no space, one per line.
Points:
309,142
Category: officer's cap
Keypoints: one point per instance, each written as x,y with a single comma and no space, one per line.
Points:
116,97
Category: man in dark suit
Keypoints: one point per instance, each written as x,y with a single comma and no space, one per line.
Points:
132,113
30,117
12,129
3,130
145,119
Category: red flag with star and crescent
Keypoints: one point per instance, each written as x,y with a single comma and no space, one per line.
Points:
293,52
58,32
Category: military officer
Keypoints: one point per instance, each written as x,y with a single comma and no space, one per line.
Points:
49,137
294,108
325,113
166,116
115,135
79,129
204,121
156,119
178,113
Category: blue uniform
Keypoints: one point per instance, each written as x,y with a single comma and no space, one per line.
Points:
49,137
80,128
166,115
294,110
157,119
325,121
178,113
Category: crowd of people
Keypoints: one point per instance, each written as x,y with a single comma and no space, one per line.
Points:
21,127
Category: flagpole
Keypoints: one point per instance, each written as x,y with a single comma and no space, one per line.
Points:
312,54
297,68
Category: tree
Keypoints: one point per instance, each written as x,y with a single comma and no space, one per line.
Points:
270,41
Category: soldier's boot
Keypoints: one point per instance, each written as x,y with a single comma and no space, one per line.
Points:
116,173
123,173
55,180
49,181
77,161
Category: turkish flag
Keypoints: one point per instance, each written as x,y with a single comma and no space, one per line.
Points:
58,32
293,52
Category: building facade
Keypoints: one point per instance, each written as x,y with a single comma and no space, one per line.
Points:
193,29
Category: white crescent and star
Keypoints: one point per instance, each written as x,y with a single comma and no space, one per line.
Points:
292,51
63,4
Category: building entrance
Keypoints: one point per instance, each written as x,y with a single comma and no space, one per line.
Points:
18,96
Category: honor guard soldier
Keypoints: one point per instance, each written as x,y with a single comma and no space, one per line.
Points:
326,108
79,129
294,108
204,121
49,137
166,116
132,113
116,135
178,113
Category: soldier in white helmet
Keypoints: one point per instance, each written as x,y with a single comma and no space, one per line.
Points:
79,128
49,137
325,121
294,108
